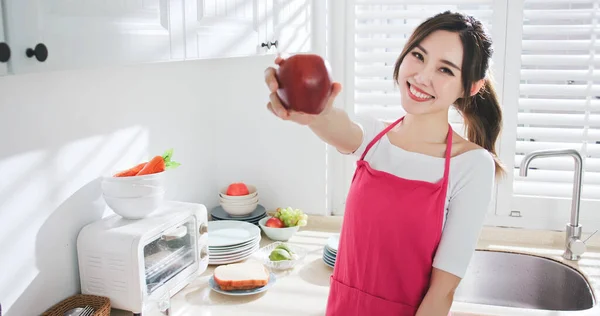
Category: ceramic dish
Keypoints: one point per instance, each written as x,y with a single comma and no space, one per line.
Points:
215,287
263,256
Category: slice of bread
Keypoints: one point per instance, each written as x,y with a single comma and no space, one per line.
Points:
241,276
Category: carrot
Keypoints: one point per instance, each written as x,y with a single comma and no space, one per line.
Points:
131,171
159,164
155,165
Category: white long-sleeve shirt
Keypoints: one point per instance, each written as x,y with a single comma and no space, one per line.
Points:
470,186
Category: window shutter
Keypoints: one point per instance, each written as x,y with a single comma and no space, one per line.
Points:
559,96
381,30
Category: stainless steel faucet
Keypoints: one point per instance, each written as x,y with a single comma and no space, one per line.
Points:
574,247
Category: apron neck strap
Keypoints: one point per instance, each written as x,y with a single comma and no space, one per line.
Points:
378,137
448,154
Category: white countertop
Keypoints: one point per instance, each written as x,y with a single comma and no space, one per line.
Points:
304,289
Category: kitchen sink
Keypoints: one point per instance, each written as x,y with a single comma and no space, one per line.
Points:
524,281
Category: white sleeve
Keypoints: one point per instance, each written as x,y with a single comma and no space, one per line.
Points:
467,210
370,126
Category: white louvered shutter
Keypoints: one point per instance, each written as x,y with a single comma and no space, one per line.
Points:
381,30
559,100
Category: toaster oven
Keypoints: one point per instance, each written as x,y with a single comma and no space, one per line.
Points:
127,260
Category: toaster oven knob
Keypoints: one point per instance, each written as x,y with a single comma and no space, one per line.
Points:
203,229
203,253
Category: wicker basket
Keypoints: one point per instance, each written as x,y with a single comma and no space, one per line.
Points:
100,304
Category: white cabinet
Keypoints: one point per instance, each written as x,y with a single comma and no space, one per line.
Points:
291,26
4,48
222,28
50,35
67,34
229,28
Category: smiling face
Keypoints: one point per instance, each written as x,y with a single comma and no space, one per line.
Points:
429,76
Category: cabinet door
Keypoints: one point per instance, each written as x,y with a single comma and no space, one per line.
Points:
91,33
221,28
292,25
4,47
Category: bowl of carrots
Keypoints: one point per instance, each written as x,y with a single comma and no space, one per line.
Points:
138,191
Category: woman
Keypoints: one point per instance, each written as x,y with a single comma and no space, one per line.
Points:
420,192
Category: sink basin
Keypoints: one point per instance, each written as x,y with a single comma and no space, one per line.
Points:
523,281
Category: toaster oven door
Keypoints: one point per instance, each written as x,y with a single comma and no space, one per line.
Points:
170,253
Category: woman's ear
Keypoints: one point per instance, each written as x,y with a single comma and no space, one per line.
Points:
476,86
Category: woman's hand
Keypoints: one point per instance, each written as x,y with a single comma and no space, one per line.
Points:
276,107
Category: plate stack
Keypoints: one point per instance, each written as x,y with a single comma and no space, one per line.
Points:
231,241
219,214
330,250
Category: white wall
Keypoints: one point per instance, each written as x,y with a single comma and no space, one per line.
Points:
61,131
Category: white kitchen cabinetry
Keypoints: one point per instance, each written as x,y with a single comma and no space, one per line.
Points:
222,28
4,48
54,35
66,34
229,28
290,24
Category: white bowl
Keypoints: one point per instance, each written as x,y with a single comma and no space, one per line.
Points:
129,189
135,208
252,189
239,210
154,179
239,202
279,234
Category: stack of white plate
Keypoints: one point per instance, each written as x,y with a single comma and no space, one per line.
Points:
231,241
219,214
330,250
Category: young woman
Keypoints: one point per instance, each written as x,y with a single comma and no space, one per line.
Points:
420,192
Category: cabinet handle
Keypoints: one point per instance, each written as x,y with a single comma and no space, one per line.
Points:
4,52
40,52
269,44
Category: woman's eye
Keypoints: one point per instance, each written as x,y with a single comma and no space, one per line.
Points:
418,55
447,71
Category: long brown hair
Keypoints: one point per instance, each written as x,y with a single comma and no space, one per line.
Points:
482,113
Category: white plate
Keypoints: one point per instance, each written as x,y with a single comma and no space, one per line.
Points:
333,242
328,256
229,233
238,258
234,248
243,253
215,287
328,263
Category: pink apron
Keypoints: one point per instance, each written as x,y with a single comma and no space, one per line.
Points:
391,229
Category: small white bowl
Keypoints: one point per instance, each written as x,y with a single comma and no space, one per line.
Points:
239,210
251,189
239,202
129,190
278,234
135,208
154,179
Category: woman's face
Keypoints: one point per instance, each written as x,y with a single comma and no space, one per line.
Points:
430,75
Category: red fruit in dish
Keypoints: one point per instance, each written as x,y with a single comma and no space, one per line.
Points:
304,83
274,223
237,189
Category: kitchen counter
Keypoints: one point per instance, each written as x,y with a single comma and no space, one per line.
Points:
304,289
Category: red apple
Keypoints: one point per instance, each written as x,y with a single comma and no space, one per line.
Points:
304,83
274,222
237,189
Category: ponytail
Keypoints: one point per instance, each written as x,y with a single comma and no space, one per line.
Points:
483,119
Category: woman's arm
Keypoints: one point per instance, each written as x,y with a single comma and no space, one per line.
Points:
336,129
333,125
439,297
